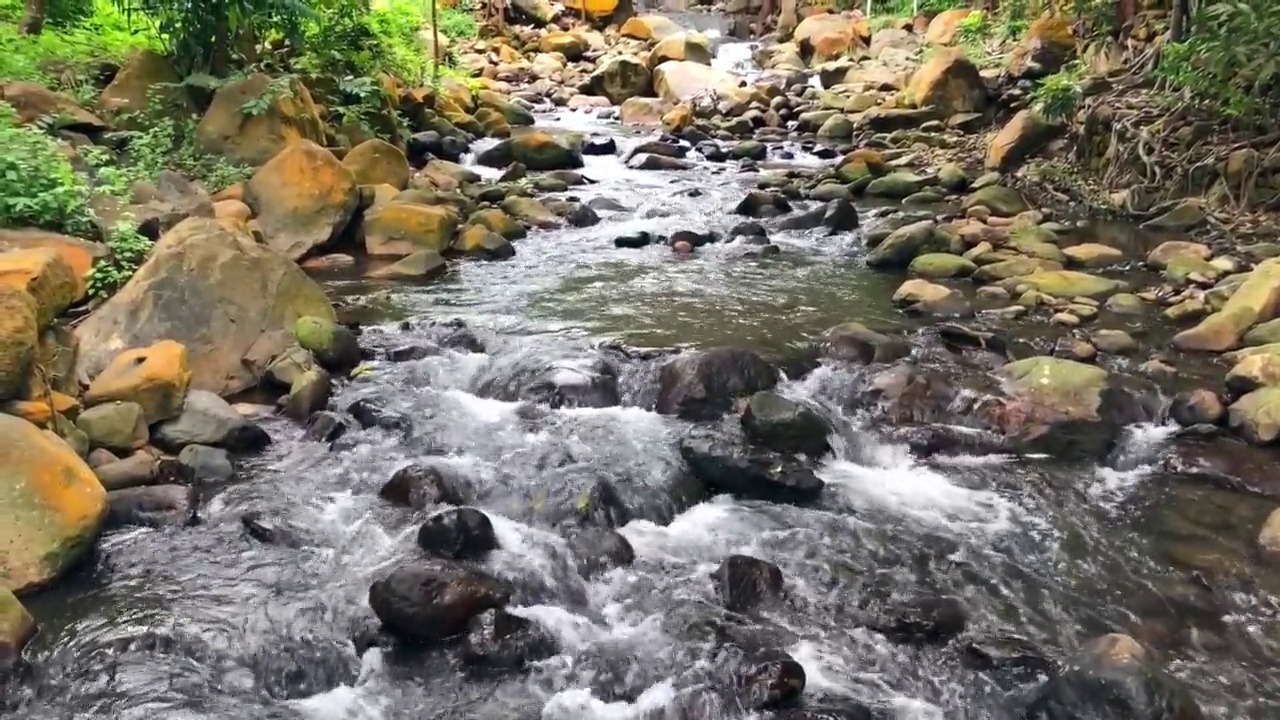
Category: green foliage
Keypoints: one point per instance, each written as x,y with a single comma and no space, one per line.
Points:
167,143
974,28
1058,96
68,54
128,249
277,88
1231,63
38,185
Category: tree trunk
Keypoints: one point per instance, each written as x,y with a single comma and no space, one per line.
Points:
1177,24
32,22
435,45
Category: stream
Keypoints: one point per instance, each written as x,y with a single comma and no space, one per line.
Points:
206,622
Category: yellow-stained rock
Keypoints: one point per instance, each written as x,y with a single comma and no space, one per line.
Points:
287,115
51,506
643,111
302,199
147,79
1025,133
678,120
1256,300
1048,44
398,229
650,27
79,254
943,27
679,80
19,335
949,82
378,162
691,46
155,377
43,274
37,412
825,37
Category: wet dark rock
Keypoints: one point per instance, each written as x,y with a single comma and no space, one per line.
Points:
806,220
206,464
207,419
310,393
455,335
587,383
293,668
926,441
327,426
422,486
660,148
1006,653
604,506
152,506
498,640
636,240
959,338
434,600
704,385
649,161
599,550
760,204
1197,407
745,583
907,393
1224,462
409,353
695,239
749,228
1112,678
851,711
606,204
370,413
839,216
772,682
139,469
855,342
710,150
785,425
930,619
723,468
423,146
458,534
600,145
273,531
582,216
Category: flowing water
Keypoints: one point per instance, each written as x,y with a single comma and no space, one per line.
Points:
205,622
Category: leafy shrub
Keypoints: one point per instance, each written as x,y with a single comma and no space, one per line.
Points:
128,249
38,185
1058,96
165,144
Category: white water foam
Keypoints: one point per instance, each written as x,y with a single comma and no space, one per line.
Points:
360,701
1136,459
581,704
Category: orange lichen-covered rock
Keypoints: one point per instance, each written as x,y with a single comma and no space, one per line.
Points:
943,27
19,336
650,27
825,37
302,199
37,412
948,82
397,229
79,254
51,506
155,377
279,117
378,162
43,274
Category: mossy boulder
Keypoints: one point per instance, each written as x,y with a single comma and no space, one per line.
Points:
378,162
1067,284
536,150
333,346
1000,200
498,221
904,244
941,265
397,229
302,198
895,185
1256,416
690,46
120,427
53,506
253,139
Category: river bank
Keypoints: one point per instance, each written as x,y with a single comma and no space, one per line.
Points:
890,439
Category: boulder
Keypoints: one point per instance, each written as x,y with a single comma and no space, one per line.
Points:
116,426
420,487
434,600
302,198
855,342
621,77
152,506
332,345
650,27
378,162
1092,255
704,385
155,378
1256,416
207,419
140,468
943,27
679,80
79,254
53,509
745,583
17,627
1048,44
904,244
43,274
897,185
723,467
1254,367
928,619
1197,407
458,534
536,150
1112,677
204,464
683,46
785,425
643,111
498,640
34,102
1256,300
530,211
1020,138
598,550
1000,200
400,229
146,80
309,394
229,300
1066,284
19,339
1169,250
948,82
280,117
941,265
824,37
567,44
